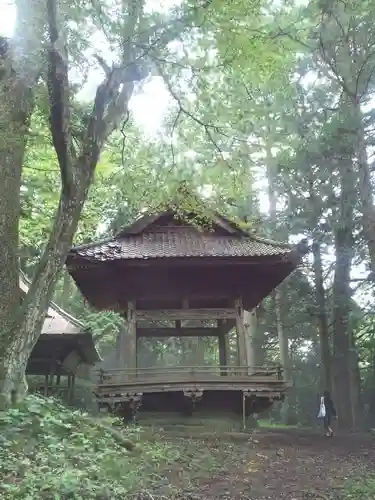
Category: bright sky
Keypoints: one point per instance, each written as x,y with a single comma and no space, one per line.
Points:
148,106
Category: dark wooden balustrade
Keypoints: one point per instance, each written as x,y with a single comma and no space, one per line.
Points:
190,374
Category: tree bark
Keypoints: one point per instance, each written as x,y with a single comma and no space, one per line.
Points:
344,375
365,185
66,290
20,67
338,30
20,336
320,299
358,413
341,334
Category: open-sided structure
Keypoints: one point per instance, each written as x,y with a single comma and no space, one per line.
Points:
167,269
64,349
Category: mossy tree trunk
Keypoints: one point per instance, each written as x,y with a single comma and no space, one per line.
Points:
21,325
19,70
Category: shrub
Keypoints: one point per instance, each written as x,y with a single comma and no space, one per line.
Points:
50,452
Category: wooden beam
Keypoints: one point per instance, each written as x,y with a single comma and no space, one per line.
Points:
181,314
177,332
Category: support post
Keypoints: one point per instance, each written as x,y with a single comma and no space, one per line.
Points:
132,336
241,342
223,360
69,380
58,381
227,349
250,323
46,380
243,411
122,347
71,388
51,380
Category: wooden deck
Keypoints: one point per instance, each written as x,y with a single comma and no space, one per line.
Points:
116,386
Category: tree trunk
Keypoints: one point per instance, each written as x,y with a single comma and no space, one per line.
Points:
284,354
365,185
21,335
320,299
197,351
343,373
356,389
20,67
66,290
281,334
341,334
371,392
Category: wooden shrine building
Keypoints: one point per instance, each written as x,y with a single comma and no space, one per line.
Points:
166,270
65,350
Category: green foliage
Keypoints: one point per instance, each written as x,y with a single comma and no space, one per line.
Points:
360,489
104,325
50,452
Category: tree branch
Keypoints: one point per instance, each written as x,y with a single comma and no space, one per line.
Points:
58,92
113,95
182,110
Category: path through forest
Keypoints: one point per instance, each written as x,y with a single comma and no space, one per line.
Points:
274,465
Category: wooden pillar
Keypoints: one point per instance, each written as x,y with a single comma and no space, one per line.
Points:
241,342
120,347
46,381
227,349
71,387
131,355
250,324
222,347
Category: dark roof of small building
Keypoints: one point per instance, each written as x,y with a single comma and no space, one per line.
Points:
157,236
58,325
57,320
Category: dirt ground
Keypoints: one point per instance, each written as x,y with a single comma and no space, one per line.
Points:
271,465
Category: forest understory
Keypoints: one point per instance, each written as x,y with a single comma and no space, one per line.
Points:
51,452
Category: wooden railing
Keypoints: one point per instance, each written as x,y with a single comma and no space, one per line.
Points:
188,373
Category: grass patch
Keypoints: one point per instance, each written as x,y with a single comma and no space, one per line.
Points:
360,489
269,424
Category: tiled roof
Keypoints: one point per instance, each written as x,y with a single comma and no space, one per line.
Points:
57,320
172,243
